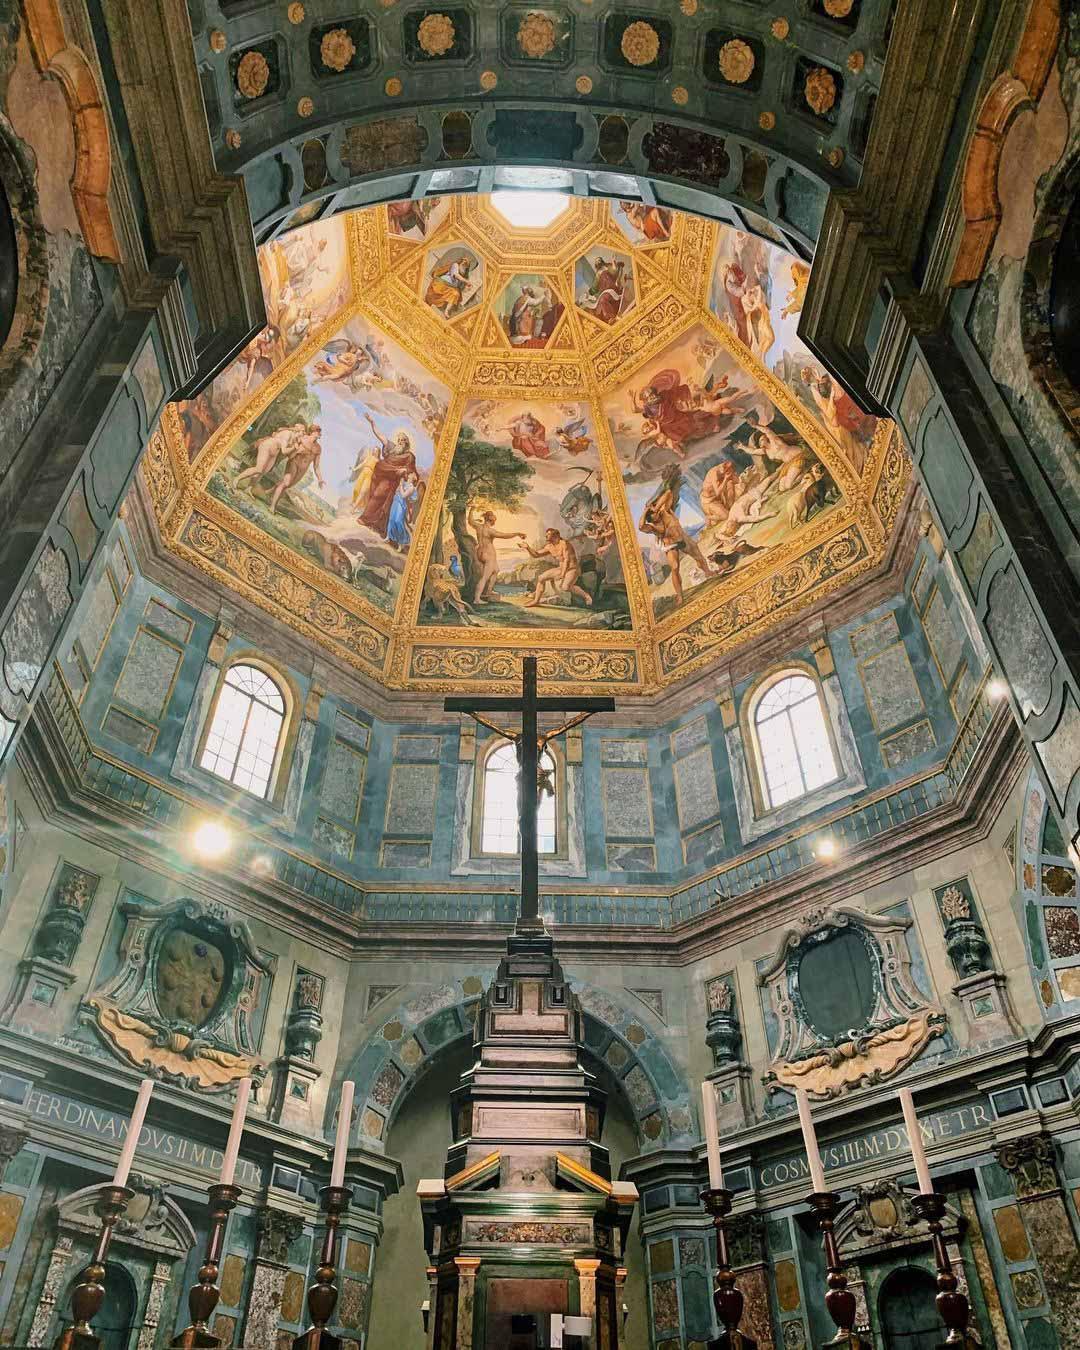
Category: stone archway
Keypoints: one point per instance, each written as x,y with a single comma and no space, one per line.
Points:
406,1045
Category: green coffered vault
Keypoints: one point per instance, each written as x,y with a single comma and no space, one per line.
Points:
713,360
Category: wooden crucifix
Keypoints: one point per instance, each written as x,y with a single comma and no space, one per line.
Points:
529,744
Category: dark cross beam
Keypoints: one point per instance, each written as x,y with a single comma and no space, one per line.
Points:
529,706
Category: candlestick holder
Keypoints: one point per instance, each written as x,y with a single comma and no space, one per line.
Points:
727,1297
839,1300
203,1297
952,1305
89,1294
322,1295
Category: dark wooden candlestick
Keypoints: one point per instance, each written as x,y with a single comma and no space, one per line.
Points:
322,1295
839,1300
203,1297
952,1305
89,1294
727,1297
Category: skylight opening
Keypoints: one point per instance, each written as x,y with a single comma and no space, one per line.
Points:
530,210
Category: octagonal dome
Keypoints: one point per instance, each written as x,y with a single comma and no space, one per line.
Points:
599,440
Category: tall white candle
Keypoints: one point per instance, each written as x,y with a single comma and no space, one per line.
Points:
712,1135
810,1144
236,1129
341,1146
915,1139
135,1124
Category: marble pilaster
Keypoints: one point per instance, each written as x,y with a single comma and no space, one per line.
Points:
55,1281
1031,1164
155,1301
467,1267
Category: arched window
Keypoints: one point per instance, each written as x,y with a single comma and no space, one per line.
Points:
499,820
793,740
245,731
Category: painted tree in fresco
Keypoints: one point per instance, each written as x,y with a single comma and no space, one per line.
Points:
484,472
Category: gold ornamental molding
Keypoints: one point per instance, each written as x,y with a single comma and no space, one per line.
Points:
584,363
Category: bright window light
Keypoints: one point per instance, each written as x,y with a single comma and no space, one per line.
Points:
243,738
530,210
499,833
796,753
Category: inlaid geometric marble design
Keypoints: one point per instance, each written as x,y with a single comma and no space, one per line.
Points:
1062,931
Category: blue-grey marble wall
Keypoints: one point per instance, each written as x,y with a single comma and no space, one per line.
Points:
376,800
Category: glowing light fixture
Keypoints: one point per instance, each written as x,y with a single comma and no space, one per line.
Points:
996,690
826,848
211,840
530,210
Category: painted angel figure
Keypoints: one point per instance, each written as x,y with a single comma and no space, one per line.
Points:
351,363
573,436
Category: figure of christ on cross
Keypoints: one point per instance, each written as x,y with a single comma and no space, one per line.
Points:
529,743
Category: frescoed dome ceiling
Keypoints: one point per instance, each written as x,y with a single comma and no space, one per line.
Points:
466,434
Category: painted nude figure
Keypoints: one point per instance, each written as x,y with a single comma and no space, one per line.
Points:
482,525
564,575
299,444
659,519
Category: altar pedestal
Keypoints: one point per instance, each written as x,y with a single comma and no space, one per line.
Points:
526,1221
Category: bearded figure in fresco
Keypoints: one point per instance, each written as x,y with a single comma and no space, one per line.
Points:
190,978
676,414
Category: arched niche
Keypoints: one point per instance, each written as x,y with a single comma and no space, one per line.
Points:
404,1047
419,1135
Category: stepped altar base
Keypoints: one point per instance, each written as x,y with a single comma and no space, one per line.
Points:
526,1222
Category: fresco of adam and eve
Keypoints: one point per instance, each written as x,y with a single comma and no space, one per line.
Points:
305,281
338,465
525,537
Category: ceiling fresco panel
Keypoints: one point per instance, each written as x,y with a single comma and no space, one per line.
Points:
526,538
336,468
598,439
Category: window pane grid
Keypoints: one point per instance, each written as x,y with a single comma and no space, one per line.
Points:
244,735
796,753
499,819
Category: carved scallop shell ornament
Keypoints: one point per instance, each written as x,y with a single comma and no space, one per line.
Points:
839,9
820,90
640,43
337,49
435,34
536,35
252,74
736,61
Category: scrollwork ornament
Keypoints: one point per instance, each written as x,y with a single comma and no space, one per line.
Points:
436,34
252,74
640,43
736,61
536,35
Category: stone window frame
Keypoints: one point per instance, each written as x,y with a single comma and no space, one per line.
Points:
806,801
286,741
484,753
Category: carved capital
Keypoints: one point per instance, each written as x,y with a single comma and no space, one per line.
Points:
275,1231
1031,1165
12,1141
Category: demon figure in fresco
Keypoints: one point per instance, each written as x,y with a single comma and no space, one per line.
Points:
715,474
